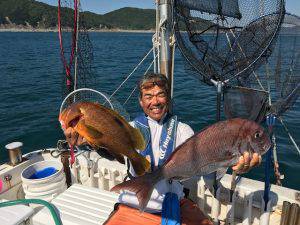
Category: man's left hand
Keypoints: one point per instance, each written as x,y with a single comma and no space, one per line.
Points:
246,163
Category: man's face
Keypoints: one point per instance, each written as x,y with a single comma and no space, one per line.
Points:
154,102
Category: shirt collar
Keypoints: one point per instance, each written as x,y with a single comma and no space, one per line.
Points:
160,122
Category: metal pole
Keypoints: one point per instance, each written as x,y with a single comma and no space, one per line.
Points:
219,97
165,30
165,26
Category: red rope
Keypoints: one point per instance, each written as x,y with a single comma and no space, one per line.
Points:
72,155
66,65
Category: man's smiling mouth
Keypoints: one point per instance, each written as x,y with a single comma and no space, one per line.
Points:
156,109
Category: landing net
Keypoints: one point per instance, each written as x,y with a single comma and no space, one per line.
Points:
226,39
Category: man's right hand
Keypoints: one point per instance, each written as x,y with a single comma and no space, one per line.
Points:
73,138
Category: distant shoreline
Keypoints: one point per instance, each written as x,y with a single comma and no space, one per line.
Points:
91,30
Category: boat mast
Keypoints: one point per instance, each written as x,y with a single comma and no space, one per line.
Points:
164,37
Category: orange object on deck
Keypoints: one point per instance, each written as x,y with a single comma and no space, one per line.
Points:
191,214
125,215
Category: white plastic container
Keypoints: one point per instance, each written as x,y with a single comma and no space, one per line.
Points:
15,215
45,188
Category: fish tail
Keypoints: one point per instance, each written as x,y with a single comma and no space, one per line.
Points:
140,164
142,186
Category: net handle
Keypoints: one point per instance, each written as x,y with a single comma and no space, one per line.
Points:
85,89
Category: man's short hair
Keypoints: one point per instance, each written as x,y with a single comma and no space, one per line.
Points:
150,80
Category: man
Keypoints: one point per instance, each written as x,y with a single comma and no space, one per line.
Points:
163,133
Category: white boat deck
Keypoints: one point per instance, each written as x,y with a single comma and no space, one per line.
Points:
79,205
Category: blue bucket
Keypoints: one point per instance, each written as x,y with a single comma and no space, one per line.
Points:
42,171
46,172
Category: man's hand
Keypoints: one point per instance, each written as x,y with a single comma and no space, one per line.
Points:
73,138
246,163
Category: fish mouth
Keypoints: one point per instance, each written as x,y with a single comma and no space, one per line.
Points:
72,123
267,147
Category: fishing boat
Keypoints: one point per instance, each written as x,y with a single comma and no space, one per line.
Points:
54,186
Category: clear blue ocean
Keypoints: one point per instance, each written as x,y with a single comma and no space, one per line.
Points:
31,92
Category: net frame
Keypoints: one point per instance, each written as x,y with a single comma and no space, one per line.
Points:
95,96
71,97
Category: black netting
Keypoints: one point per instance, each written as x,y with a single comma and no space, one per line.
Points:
286,71
86,76
229,40
245,103
82,49
280,75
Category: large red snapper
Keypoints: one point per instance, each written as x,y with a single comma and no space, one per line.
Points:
215,148
103,127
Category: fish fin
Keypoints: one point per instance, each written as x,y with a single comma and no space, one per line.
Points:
84,129
120,118
142,186
106,153
138,139
118,157
95,134
140,164
103,152
136,136
221,172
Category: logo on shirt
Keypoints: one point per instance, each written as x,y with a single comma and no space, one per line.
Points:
163,149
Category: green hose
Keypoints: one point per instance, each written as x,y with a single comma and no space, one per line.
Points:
34,201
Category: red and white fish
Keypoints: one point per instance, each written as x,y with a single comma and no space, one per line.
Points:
215,148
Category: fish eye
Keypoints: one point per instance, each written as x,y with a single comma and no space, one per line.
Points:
257,134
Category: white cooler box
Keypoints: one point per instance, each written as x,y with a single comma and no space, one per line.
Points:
80,205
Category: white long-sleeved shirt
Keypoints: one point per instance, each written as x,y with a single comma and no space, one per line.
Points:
184,132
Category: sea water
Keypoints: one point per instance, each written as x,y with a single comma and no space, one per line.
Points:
31,92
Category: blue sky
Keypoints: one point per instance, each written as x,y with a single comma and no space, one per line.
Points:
104,6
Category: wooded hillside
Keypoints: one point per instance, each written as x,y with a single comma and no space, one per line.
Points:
30,13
